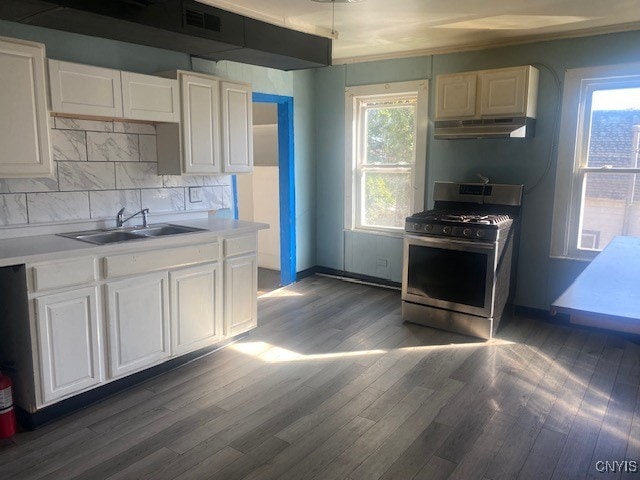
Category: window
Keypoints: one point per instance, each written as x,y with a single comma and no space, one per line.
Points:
386,150
598,159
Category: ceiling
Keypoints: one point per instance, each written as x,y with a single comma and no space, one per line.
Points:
375,29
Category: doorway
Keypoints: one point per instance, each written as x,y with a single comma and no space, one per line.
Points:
268,194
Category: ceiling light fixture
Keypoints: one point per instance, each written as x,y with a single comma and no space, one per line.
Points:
334,34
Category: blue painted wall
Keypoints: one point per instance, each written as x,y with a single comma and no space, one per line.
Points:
540,279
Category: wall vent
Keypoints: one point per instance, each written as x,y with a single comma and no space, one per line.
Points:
202,20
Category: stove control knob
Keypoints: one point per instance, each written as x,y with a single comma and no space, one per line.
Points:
446,230
428,227
417,226
467,232
480,233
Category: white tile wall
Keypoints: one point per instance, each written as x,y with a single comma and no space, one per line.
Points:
13,209
86,176
106,203
164,199
100,168
69,145
57,207
122,147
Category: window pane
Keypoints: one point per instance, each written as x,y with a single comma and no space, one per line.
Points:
610,207
615,128
390,133
386,199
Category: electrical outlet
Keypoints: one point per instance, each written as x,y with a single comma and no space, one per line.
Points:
195,194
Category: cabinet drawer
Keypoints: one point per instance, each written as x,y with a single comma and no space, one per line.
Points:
141,262
240,245
67,273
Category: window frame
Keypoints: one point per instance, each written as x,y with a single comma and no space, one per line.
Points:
355,170
579,85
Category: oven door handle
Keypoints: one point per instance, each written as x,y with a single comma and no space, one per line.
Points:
444,241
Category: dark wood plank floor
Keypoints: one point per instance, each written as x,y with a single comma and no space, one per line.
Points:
333,385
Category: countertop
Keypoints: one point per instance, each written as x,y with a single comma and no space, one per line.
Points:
609,286
16,251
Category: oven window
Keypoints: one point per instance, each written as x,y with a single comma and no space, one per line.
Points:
448,275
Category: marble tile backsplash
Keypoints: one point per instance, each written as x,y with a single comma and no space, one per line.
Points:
101,167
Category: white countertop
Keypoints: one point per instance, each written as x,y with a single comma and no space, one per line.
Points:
16,251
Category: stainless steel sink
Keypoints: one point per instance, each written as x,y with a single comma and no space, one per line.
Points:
162,230
118,235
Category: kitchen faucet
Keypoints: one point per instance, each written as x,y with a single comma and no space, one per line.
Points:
120,221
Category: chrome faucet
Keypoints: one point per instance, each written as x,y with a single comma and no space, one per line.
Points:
120,220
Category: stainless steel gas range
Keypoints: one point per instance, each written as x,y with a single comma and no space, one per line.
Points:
457,272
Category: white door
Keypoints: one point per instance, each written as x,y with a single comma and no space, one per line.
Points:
146,97
69,343
241,291
503,91
455,96
200,124
196,307
237,128
85,89
24,119
137,322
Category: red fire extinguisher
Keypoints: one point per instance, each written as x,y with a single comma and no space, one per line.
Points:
7,413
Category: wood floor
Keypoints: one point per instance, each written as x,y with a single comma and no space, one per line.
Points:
332,385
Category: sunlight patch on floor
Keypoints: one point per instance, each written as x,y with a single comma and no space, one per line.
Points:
275,354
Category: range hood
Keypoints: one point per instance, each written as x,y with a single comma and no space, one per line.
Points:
511,127
182,25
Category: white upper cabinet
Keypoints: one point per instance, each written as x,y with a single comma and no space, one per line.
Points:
456,96
237,132
215,135
505,91
78,89
24,127
85,90
200,124
487,93
145,97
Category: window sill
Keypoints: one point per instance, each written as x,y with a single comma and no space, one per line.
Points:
383,233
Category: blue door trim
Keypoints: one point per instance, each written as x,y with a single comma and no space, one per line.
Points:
287,184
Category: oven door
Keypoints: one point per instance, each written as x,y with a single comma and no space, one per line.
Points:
453,274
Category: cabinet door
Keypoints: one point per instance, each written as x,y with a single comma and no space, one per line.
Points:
146,97
68,343
455,96
24,126
240,294
237,130
200,99
196,308
84,89
138,323
503,91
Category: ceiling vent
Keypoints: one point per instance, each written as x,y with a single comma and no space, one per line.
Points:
182,25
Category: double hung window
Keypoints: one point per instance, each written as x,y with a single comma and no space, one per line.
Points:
598,177
386,138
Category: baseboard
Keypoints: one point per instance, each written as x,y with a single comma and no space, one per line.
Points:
332,272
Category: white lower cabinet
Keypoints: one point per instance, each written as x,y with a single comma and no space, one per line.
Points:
240,289
68,337
89,320
137,322
196,307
